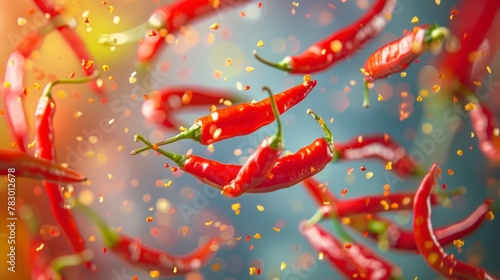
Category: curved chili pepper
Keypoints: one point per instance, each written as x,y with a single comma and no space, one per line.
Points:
73,40
45,149
157,108
239,119
426,240
380,147
352,259
260,164
287,172
13,94
339,45
486,127
389,233
368,204
30,167
147,258
398,55
166,20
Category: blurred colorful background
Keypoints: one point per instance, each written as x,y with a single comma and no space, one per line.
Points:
94,135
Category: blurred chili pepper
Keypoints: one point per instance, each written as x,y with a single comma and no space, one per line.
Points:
486,129
389,235
147,258
339,45
30,167
287,172
165,20
39,264
426,240
352,259
13,90
330,206
158,107
260,164
73,40
398,55
381,147
239,119
45,149
470,27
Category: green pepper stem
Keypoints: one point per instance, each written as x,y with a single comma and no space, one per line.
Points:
47,91
130,36
61,262
277,141
283,65
328,133
109,235
366,98
192,133
439,33
180,160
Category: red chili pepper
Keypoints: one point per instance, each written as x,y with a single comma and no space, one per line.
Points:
166,20
260,164
147,258
73,40
287,172
30,167
157,108
470,27
389,234
330,206
426,240
45,149
486,129
13,91
239,119
339,45
13,100
380,147
352,259
398,55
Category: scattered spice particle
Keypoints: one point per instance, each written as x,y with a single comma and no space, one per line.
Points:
488,69
39,248
276,229
414,20
283,266
216,267
154,274
388,166
110,176
257,236
419,98
260,208
343,192
252,270
403,74
438,2
149,219
459,243
450,171
490,216
459,152
249,69
260,43
295,4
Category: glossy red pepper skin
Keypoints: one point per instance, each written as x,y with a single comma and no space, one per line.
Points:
426,240
238,120
73,40
172,17
13,101
30,167
380,147
157,108
352,262
259,165
322,55
44,135
484,124
398,55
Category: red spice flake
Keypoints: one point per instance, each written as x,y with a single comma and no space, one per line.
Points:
149,219
362,168
52,231
343,192
350,170
166,165
248,238
72,74
450,172
104,101
243,14
258,271
135,277
246,88
152,33
259,5
443,186
347,245
251,247
173,169
104,250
